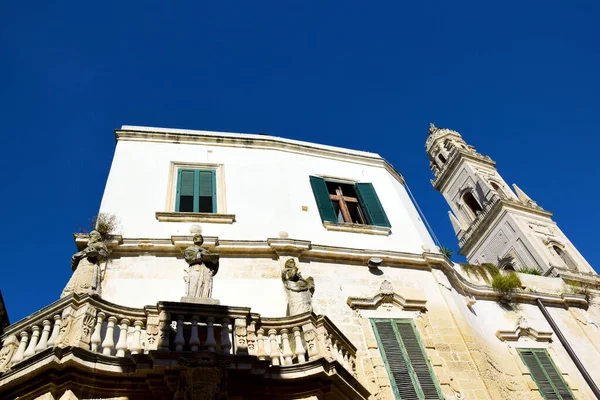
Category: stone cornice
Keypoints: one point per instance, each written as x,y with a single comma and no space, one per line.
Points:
386,294
194,217
253,141
451,166
473,235
522,328
343,255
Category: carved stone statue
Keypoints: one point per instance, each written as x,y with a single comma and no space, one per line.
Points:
86,267
298,290
199,275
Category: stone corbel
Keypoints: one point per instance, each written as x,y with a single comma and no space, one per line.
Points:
285,247
181,242
522,328
82,239
386,295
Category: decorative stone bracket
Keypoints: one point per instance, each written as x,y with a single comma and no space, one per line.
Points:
522,328
386,295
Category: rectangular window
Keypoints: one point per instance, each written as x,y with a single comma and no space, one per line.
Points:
405,359
196,191
344,202
545,374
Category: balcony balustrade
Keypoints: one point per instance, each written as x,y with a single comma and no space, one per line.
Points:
104,328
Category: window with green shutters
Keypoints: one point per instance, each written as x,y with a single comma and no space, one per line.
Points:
196,191
343,202
545,374
405,359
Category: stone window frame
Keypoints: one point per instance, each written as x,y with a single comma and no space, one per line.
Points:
554,356
170,215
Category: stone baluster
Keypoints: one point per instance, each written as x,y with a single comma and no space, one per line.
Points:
43,343
240,336
19,355
97,335
335,352
179,339
346,359
225,340
252,338
211,343
300,352
136,346
287,350
33,341
122,343
55,330
312,343
109,341
194,338
274,347
164,329
260,352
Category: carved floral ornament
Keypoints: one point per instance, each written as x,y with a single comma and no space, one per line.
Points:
522,328
386,295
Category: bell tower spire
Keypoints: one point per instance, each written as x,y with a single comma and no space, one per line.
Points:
492,222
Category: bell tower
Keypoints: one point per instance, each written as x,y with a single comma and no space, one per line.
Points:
494,223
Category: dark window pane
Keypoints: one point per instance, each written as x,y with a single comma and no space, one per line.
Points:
355,213
206,204
186,204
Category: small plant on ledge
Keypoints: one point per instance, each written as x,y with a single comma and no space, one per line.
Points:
447,252
506,285
485,270
530,271
105,223
574,287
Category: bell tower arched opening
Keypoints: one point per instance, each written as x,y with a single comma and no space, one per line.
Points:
471,203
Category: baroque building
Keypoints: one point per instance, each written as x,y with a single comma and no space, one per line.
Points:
255,267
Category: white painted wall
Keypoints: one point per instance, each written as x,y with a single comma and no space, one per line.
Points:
265,189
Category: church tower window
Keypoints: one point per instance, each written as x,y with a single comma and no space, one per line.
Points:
442,158
564,257
472,203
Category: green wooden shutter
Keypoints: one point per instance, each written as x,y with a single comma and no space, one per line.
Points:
371,204
546,375
207,192
321,193
405,360
418,359
185,190
394,359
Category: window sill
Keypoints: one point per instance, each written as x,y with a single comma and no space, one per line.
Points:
195,217
358,228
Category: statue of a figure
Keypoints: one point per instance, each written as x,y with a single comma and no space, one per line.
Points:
299,290
86,267
202,267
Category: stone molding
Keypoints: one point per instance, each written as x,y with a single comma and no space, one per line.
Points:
390,259
224,139
450,168
522,328
357,228
171,216
472,236
386,295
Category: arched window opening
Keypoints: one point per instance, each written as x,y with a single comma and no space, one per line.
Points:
509,267
564,257
442,158
470,201
497,188
447,144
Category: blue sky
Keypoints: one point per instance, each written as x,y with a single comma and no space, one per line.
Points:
519,80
